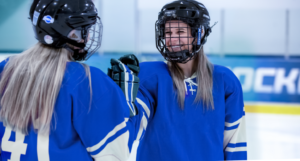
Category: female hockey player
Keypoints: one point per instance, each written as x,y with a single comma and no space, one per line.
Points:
54,108
196,108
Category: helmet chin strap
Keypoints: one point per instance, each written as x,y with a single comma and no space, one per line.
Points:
75,43
179,57
78,54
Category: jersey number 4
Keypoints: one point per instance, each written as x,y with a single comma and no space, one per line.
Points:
18,146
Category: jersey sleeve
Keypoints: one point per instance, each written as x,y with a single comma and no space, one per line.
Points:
103,122
146,97
234,144
144,103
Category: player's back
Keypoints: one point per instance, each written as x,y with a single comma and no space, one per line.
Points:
70,135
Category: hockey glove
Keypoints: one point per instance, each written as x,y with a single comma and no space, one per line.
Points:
124,72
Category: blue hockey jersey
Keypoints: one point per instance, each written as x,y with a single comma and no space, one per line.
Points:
84,126
192,133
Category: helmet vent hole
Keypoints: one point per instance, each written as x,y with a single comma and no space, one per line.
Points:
171,8
193,14
182,8
59,11
92,17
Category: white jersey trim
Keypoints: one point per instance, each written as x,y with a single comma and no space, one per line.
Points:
237,135
237,149
115,150
227,124
143,126
110,134
145,107
107,158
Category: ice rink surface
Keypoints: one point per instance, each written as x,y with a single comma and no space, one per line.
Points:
273,136
269,136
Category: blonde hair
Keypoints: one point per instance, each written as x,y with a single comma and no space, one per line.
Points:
29,85
204,71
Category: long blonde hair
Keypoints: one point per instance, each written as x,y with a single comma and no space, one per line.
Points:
204,71
29,85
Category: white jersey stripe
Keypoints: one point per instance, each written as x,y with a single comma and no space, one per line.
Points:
240,134
237,135
227,136
114,150
108,158
145,107
227,124
143,126
110,134
237,149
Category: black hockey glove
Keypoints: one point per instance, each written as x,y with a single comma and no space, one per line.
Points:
124,72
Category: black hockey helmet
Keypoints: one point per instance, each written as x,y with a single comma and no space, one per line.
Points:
190,12
70,24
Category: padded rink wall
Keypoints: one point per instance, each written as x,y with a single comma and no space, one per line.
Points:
264,79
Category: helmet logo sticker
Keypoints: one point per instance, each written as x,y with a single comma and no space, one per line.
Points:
35,17
48,19
48,39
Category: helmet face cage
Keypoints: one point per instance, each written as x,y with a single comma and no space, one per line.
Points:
179,30
94,38
90,36
178,41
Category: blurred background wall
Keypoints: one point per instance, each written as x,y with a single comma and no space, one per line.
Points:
258,39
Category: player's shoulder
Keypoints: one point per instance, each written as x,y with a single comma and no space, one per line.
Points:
3,63
78,70
219,69
77,76
153,68
222,73
157,64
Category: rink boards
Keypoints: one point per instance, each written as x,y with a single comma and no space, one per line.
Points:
270,84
